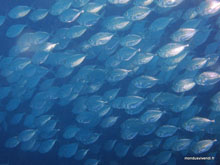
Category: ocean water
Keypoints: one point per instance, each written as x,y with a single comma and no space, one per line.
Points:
63,113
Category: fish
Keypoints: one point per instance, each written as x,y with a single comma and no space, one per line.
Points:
70,132
166,131
121,149
15,30
38,15
81,154
59,7
68,150
160,24
142,150
69,15
19,12
26,135
202,146
46,145
151,116
197,124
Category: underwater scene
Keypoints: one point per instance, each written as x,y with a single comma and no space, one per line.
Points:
109,82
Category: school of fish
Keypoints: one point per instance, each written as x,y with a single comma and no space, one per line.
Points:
129,78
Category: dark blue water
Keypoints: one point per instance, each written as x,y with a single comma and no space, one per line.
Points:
18,157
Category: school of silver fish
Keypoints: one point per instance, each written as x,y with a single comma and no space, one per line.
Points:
131,78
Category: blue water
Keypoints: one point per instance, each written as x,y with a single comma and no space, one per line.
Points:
18,157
